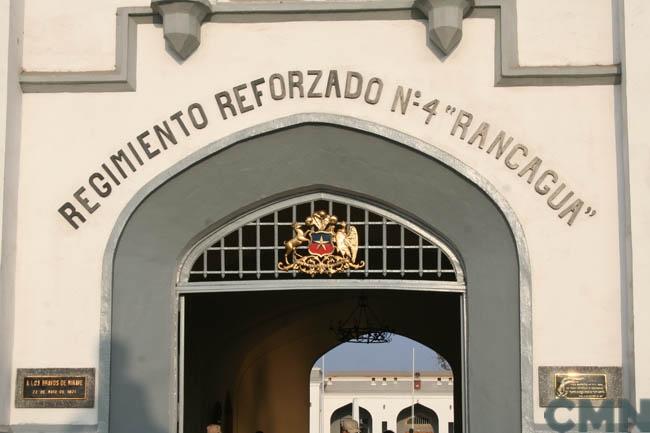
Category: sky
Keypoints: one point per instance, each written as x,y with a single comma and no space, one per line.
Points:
393,356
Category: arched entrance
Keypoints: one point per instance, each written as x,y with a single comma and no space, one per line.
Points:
424,420
250,330
383,379
251,353
365,419
211,193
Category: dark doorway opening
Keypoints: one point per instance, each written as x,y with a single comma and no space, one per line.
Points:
247,355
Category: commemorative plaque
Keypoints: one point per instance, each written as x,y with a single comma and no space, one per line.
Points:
55,388
579,384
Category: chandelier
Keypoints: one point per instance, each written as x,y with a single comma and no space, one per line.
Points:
362,326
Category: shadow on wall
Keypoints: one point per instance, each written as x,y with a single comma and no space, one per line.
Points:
138,401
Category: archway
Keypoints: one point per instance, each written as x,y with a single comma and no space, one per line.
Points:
365,418
429,192
419,419
267,338
383,379
258,356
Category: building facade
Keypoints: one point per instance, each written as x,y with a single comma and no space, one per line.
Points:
197,196
381,401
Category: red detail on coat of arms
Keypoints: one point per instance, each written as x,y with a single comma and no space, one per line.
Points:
321,244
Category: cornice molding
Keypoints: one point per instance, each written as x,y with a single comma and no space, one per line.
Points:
508,72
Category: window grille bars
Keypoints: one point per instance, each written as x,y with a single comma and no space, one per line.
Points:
389,249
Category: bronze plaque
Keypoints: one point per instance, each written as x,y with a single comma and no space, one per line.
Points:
585,385
55,388
581,386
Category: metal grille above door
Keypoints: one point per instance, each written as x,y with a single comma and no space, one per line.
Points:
390,247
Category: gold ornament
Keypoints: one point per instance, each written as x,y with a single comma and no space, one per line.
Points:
332,246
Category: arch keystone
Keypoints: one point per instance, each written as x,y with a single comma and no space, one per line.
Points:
182,21
445,21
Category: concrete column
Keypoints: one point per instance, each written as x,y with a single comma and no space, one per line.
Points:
376,423
444,417
635,165
355,409
393,411
315,408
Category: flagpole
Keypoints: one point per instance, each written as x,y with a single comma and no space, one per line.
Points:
322,396
412,429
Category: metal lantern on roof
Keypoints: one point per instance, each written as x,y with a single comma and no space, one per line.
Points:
362,326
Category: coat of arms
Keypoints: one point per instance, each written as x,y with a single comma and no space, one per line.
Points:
332,246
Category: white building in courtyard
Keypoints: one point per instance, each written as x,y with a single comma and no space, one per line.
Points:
381,401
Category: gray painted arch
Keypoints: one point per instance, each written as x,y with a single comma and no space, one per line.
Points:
525,312
508,71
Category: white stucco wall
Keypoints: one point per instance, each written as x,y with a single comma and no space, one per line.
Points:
67,136
560,32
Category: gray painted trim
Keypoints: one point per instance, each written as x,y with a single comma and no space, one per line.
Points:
10,157
525,301
508,72
180,367
628,355
52,428
544,428
120,79
280,285
464,353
